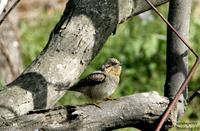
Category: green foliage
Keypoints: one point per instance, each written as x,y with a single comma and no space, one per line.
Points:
34,35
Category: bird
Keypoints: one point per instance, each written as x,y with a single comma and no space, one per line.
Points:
100,84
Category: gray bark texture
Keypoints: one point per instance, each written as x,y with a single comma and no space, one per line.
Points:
5,7
10,57
177,52
140,110
76,39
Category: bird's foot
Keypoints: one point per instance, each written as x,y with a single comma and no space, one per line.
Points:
95,104
109,98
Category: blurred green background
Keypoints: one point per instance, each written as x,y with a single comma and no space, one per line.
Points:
139,43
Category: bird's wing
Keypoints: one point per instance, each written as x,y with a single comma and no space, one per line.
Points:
96,77
92,79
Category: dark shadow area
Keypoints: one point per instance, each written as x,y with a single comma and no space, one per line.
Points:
70,115
36,84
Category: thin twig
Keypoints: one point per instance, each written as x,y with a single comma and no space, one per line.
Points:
196,93
184,84
7,9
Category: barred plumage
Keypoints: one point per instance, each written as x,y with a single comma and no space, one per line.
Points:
100,84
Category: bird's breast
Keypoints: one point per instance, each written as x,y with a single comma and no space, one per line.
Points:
104,89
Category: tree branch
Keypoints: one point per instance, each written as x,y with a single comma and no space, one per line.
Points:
196,93
139,110
177,52
5,7
76,39
177,68
175,17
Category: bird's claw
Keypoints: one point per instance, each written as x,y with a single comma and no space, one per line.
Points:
95,104
109,98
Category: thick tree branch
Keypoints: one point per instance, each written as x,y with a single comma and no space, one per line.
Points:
176,17
139,110
76,39
177,58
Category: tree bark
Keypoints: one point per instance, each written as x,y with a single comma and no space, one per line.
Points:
139,110
5,7
10,60
177,52
76,39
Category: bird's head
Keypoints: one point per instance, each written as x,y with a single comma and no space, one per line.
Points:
112,66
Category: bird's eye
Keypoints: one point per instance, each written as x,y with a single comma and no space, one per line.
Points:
105,66
114,63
